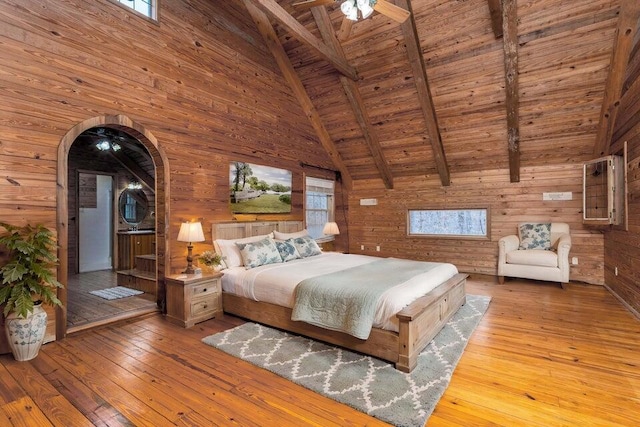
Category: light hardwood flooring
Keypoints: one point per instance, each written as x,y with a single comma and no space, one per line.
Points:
541,356
85,310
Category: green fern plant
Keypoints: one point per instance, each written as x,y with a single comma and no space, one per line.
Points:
28,273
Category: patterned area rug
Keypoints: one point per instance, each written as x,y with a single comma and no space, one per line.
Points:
365,383
116,293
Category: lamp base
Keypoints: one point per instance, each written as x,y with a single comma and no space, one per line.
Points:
192,270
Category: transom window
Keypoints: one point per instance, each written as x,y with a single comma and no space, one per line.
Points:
319,207
145,7
448,222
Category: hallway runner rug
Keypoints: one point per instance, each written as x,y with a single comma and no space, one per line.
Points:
116,293
365,383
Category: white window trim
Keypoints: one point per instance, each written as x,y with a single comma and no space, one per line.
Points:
487,236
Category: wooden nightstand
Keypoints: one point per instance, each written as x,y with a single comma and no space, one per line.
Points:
193,298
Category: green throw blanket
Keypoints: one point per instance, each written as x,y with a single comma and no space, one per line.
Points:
346,300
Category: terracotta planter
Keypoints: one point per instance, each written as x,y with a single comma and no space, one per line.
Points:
25,335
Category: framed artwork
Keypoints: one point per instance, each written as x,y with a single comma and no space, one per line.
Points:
257,189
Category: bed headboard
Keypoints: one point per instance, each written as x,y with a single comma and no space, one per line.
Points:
238,230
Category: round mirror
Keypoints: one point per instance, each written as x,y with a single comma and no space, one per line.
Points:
133,205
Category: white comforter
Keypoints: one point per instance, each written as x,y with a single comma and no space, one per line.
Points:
275,283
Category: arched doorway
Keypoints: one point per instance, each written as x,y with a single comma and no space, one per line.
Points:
125,124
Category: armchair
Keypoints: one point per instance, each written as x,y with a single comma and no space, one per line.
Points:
525,257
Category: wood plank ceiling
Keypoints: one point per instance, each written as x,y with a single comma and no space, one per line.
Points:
459,86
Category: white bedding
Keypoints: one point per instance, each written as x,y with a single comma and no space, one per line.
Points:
275,283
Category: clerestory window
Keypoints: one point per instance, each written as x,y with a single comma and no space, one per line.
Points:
147,8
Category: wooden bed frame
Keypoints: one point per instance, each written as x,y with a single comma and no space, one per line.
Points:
419,322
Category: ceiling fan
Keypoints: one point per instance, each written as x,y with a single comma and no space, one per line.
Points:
350,8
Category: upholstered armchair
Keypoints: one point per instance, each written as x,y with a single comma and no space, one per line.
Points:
538,251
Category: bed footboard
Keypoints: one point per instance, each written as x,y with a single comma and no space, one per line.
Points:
420,322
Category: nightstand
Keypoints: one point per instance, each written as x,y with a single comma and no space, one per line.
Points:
193,298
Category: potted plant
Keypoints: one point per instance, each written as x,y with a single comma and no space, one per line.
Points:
211,259
27,281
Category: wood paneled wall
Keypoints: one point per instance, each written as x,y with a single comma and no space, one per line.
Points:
200,81
622,247
385,224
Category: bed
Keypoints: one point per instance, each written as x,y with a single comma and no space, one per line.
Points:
406,320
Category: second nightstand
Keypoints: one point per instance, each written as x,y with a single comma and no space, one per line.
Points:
193,298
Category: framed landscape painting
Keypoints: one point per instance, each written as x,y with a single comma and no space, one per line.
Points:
257,189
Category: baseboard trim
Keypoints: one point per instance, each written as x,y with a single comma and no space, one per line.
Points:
626,304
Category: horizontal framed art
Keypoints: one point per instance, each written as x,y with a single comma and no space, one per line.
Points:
256,189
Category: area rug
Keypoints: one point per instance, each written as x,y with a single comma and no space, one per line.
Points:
116,293
365,383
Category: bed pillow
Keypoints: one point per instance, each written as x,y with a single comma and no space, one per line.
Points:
231,253
259,253
287,249
306,246
284,236
535,236
216,247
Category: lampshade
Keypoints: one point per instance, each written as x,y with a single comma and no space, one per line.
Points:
191,232
330,228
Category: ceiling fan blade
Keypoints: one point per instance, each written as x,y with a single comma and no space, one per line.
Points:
394,12
307,4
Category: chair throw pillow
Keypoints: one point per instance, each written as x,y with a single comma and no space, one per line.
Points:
535,236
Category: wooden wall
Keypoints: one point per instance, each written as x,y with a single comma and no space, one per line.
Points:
200,81
622,247
386,224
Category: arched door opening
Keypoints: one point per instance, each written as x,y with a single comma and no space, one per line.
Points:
111,215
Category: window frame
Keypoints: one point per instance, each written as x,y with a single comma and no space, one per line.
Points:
155,19
331,206
486,237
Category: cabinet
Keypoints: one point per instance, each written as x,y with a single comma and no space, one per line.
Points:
603,191
193,298
134,243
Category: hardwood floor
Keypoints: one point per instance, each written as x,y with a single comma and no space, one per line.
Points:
540,357
85,310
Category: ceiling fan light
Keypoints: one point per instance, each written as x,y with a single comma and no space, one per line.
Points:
103,145
349,9
365,8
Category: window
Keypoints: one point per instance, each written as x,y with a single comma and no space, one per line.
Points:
448,222
145,7
319,205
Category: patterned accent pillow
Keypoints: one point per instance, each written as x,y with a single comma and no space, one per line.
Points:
231,252
535,236
306,246
287,250
259,253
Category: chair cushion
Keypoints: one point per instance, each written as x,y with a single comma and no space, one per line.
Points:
539,257
535,236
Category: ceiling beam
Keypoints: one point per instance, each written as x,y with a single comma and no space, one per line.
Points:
416,59
510,45
133,168
625,34
495,11
273,43
323,21
303,35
